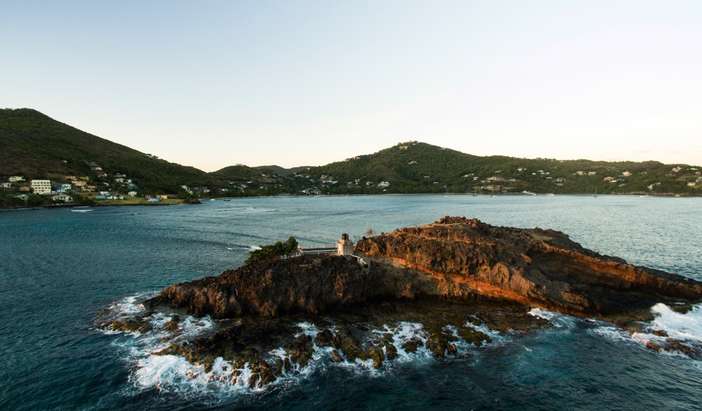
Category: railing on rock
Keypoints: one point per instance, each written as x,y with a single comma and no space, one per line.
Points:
317,251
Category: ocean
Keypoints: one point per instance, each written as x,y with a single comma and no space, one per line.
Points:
61,268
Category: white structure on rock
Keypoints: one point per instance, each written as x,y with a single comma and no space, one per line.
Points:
344,246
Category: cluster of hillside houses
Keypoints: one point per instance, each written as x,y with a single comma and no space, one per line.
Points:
59,192
63,189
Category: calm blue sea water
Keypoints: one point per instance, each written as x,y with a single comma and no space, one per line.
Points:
58,268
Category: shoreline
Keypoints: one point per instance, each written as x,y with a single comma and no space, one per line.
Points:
207,199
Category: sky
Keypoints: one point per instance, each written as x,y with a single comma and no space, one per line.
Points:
217,83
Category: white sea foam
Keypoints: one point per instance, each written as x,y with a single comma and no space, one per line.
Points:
681,327
556,319
256,210
127,306
193,327
610,332
686,326
462,346
174,373
495,336
543,314
405,332
307,329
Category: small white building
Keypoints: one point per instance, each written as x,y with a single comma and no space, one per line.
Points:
42,187
15,179
344,246
384,184
64,198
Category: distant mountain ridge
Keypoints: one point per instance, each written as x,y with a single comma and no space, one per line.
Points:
37,146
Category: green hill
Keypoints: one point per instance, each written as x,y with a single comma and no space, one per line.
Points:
36,146
415,167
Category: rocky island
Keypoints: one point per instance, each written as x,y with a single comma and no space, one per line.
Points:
458,278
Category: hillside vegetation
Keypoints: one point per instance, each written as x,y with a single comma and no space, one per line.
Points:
420,167
35,146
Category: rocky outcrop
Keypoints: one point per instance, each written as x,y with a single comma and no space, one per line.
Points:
455,280
533,266
455,257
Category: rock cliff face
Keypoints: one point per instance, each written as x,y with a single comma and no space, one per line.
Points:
306,284
533,266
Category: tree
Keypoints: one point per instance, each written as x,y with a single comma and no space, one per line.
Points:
273,251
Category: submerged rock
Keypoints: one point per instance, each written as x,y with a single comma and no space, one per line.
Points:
172,324
412,345
139,325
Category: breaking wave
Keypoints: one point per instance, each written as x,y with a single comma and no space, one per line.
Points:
686,326
670,332
236,247
557,320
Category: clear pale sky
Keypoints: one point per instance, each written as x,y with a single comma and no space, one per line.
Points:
215,83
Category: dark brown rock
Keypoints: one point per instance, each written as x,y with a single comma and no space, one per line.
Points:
172,324
347,344
324,338
375,354
300,350
472,336
683,348
131,325
307,284
390,351
412,345
660,333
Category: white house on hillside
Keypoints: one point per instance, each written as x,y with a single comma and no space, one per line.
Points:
41,186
